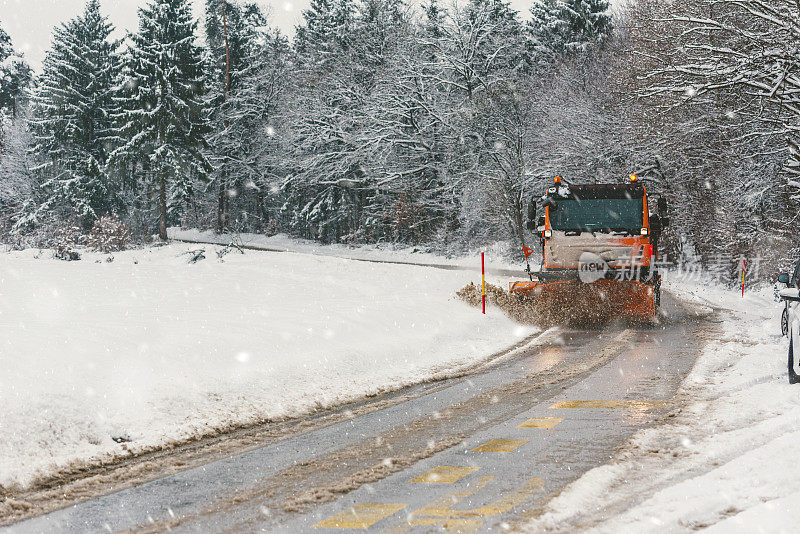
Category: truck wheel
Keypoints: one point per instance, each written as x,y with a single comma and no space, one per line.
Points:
794,378
785,321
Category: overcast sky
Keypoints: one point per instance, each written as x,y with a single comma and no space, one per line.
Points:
30,22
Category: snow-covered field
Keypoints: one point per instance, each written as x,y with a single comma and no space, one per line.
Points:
153,349
727,462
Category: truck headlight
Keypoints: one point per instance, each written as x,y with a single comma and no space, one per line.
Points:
548,234
645,231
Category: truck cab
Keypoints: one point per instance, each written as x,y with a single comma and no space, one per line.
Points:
602,228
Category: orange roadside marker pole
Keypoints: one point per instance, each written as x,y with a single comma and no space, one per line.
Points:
483,283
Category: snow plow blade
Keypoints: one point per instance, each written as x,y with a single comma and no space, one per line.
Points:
600,302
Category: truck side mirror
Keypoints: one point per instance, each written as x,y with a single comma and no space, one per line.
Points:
656,225
531,224
663,207
783,278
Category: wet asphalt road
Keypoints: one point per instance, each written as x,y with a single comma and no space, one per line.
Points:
472,454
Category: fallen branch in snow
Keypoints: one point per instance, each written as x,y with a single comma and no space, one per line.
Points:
230,247
197,255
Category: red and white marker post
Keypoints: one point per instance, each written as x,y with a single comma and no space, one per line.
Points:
744,263
483,283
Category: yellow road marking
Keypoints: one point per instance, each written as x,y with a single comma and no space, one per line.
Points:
541,422
451,499
444,474
500,445
613,405
443,507
448,524
361,515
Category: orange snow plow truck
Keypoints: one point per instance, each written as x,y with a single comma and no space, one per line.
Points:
599,252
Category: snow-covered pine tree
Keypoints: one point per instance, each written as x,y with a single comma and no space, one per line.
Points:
434,19
543,31
506,28
235,36
72,117
15,77
327,31
162,122
559,26
15,180
232,29
378,25
253,134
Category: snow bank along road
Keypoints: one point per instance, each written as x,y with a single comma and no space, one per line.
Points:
473,453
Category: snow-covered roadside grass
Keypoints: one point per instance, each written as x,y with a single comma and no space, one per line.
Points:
151,349
727,461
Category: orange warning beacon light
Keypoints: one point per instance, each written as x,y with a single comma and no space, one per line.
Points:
634,178
557,180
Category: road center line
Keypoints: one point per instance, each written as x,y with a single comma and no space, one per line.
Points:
361,515
541,422
610,405
500,445
444,474
443,507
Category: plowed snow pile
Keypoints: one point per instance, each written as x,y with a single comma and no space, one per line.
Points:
100,358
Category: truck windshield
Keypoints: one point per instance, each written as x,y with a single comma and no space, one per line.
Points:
598,215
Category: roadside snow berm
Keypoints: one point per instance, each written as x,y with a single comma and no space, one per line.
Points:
599,253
